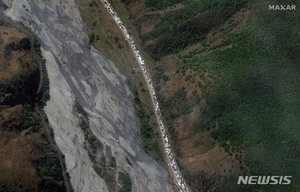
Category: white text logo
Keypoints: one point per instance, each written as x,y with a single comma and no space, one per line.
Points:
264,180
282,7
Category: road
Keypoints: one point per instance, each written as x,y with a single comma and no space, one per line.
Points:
179,181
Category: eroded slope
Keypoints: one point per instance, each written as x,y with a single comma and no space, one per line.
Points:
75,71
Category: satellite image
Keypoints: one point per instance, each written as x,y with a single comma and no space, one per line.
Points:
149,96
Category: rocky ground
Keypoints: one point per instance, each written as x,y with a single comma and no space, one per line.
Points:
77,71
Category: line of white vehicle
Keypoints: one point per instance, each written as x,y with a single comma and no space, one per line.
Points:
179,181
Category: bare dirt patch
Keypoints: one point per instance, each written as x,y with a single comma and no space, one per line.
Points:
16,157
214,161
24,149
138,8
18,62
172,8
148,22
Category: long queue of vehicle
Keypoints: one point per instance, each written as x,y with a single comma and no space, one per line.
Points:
179,180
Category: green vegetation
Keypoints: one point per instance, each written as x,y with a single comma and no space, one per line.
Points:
52,186
177,105
44,95
93,3
249,82
125,181
92,37
92,142
9,47
128,161
104,164
37,48
31,119
19,92
188,25
181,103
7,188
255,103
161,4
47,164
80,109
150,135
24,65
24,44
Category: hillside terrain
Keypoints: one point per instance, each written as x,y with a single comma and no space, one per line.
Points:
90,107
29,162
227,74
